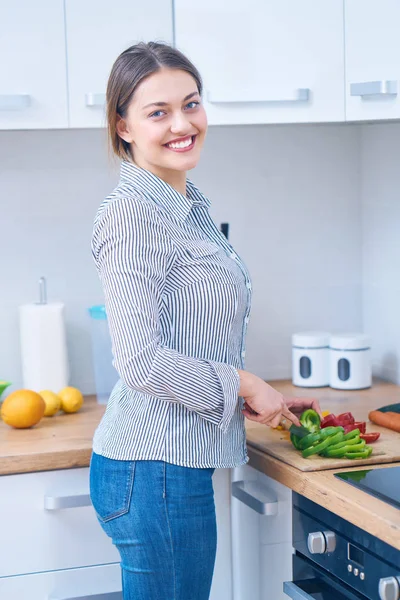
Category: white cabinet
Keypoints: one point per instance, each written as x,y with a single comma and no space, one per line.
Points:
91,583
262,550
49,523
97,32
33,84
372,59
266,61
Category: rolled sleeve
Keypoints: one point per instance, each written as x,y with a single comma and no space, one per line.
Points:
133,255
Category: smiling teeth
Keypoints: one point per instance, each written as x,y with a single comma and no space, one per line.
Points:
185,144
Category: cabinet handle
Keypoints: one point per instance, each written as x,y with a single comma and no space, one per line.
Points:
14,101
61,502
95,100
299,95
293,591
105,596
374,88
256,496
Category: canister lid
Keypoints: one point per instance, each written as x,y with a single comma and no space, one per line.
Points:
350,341
98,312
311,339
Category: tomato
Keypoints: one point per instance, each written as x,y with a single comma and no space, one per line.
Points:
370,437
329,421
361,425
345,418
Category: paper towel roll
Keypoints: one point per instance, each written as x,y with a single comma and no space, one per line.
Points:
43,346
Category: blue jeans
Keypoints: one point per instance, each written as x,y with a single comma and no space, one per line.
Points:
161,517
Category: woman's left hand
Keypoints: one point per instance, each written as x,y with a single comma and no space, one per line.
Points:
298,405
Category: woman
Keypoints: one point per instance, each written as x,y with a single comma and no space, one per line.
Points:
178,300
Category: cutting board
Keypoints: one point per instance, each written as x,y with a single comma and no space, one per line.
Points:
277,444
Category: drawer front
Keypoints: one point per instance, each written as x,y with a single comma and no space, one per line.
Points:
91,583
48,523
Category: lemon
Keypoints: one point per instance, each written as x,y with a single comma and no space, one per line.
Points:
71,399
23,409
52,401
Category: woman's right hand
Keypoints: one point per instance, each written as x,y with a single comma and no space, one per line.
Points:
263,404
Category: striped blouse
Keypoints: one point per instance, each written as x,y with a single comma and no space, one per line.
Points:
177,298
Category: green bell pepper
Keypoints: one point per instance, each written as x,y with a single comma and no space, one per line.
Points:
362,454
311,420
321,446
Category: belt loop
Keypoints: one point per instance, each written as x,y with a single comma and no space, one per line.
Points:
165,480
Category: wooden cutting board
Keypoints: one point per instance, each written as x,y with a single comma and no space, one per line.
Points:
277,444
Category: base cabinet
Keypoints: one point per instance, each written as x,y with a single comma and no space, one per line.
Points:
261,519
90,583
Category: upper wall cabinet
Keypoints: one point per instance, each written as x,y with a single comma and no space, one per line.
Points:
33,83
266,61
97,32
372,59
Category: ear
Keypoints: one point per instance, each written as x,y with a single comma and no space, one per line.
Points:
123,131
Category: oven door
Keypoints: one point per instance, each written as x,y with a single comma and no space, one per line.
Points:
310,582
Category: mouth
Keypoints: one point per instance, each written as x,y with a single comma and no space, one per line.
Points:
182,145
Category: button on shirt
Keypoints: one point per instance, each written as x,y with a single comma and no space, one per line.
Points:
177,298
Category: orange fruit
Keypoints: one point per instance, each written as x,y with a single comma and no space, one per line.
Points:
22,409
71,399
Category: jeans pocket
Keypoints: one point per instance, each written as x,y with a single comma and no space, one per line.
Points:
111,484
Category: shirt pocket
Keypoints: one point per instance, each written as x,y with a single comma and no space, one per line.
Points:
202,249
111,484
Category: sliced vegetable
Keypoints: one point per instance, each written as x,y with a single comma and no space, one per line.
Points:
329,421
362,454
351,434
319,447
361,425
311,420
309,440
370,437
345,418
351,427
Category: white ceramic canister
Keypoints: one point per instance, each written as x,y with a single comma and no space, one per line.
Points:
310,359
350,361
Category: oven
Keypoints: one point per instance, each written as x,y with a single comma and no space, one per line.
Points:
335,560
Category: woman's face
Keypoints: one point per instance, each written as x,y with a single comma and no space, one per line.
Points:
166,123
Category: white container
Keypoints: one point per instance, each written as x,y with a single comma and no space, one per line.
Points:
350,361
310,359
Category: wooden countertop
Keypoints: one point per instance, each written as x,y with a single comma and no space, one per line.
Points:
65,441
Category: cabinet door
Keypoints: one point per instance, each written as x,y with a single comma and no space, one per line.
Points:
372,59
56,523
261,518
91,583
266,61
97,32
33,77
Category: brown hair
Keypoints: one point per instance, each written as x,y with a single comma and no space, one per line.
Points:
130,68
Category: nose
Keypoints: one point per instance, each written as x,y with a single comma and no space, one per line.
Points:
180,125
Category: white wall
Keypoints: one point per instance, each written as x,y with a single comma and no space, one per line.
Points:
290,194
380,185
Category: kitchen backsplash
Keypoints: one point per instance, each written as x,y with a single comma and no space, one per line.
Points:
312,211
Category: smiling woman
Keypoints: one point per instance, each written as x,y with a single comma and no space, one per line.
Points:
177,298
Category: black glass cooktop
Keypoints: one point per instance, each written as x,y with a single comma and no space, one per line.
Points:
382,483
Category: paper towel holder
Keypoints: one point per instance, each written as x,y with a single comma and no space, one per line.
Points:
42,291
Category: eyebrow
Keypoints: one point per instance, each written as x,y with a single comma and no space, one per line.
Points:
166,103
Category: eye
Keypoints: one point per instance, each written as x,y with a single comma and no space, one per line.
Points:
157,113
192,104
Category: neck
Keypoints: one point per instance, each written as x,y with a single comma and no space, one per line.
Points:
176,179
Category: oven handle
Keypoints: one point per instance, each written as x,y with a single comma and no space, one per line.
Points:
293,591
